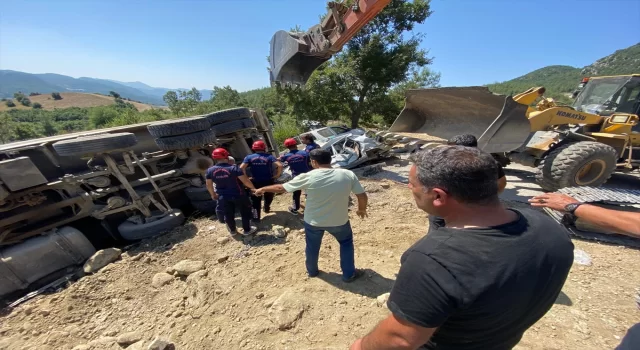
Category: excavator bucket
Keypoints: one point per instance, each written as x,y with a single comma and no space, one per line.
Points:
500,121
289,61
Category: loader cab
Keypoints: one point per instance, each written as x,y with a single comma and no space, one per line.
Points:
607,95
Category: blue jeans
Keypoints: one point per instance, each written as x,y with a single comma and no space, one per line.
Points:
343,234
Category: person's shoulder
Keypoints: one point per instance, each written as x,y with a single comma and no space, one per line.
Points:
249,157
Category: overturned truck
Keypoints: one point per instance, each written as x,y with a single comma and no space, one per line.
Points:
131,180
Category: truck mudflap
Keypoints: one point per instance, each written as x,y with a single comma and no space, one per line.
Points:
500,122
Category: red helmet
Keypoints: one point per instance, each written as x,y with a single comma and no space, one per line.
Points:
259,146
290,142
220,153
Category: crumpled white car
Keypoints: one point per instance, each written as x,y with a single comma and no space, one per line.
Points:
349,151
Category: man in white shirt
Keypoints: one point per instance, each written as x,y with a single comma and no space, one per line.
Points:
327,204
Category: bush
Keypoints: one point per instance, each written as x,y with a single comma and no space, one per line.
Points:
34,94
114,94
37,105
19,96
56,96
25,101
10,103
285,129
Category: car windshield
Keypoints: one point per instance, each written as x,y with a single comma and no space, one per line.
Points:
325,132
597,95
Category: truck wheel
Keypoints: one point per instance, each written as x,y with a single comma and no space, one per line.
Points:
233,126
133,232
585,163
186,141
91,144
197,194
228,115
205,207
176,127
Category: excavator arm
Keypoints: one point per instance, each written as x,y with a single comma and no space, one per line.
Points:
295,55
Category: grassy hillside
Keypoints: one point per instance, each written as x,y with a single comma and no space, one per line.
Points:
560,81
72,99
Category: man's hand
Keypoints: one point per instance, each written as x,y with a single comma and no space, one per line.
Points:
357,345
362,213
259,192
555,201
214,196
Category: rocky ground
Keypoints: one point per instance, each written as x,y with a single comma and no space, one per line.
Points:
195,288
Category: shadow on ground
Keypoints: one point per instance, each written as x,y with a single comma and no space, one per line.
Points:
371,285
563,299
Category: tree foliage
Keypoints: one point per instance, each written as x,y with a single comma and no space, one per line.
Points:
182,102
356,82
10,103
114,94
56,96
37,105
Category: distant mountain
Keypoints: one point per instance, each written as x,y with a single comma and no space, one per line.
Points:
560,81
14,81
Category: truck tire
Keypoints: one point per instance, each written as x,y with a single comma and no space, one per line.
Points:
186,141
91,144
197,194
585,163
228,115
233,126
133,232
205,207
176,127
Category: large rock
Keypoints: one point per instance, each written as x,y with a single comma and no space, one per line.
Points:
161,344
129,338
160,279
101,259
278,231
287,310
381,300
186,267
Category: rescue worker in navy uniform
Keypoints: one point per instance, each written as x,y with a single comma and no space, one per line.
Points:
300,163
229,192
310,143
262,174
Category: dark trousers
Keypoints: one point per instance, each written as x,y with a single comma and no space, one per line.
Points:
256,202
343,234
229,205
296,199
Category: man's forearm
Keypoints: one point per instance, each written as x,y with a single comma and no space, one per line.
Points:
209,186
617,220
278,188
381,340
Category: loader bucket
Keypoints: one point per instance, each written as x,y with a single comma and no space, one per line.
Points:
289,61
446,112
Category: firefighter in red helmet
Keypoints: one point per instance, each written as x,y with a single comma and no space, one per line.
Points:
261,164
229,192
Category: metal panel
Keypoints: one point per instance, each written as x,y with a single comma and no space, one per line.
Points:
20,173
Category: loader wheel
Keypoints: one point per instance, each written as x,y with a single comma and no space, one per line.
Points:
176,127
228,115
187,141
92,144
585,163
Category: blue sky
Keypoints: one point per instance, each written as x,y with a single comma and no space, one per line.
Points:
171,43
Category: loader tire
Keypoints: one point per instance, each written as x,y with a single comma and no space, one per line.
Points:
197,193
187,141
585,163
233,126
92,144
177,127
228,115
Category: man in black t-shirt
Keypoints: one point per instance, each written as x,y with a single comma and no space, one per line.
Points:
483,274
469,140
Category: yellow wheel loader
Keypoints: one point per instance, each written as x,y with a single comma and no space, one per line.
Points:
579,145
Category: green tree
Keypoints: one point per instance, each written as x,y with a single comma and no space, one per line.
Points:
25,131
114,94
48,126
10,103
384,54
171,99
183,102
7,127
102,116
226,97
25,101
36,105
18,96
56,96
